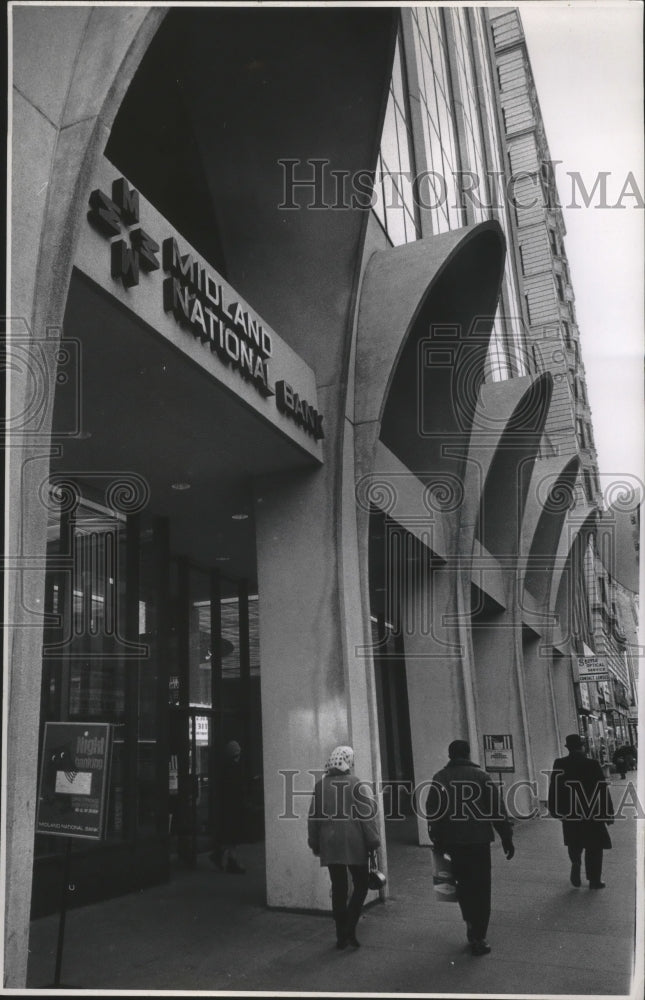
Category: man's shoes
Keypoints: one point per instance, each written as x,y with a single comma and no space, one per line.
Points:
341,942
597,885
234,868
480,948
575,874
353,940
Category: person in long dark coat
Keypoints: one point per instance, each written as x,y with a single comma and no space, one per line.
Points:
232,789
620,761
579,797
342,830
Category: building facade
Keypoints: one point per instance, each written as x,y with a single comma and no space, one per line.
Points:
595,639
293,460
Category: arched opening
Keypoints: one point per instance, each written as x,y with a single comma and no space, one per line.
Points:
544,546
432,393
505,491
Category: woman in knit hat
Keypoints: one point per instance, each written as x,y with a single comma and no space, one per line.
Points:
342,831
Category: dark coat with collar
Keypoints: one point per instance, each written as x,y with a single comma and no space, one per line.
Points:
464,806
579,796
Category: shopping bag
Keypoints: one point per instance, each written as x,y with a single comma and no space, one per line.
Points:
443,881
376,879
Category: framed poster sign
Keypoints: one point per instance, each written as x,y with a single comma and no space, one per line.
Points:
498,753
74,779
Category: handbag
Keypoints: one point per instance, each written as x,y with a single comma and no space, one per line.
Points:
376,879
443,880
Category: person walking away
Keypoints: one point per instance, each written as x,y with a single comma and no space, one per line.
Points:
579,797
231,817
464,807
621,762
342,830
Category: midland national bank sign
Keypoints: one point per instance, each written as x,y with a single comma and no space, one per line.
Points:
195,297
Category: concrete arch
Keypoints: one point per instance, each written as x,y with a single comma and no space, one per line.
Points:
110,46
555,480
579,522
550,498
406,290
506,411
509,471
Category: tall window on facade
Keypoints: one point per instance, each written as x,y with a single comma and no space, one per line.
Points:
508,352
438,193
469,103
553,240
580,427
395,205
567,333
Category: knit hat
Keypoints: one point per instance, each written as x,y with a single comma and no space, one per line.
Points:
341,759
232,749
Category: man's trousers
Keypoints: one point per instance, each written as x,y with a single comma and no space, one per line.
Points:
471,869
593,861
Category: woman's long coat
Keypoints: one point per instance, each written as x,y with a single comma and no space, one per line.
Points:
342,825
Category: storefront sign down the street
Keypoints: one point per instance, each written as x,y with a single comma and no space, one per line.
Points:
592,668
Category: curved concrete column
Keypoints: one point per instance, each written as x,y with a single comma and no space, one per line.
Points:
413,297
71,68
549,498
508,425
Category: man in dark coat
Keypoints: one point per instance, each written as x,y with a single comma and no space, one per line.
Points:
579,796
620,761
464,807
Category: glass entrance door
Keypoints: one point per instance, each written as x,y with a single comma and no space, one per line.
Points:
213,699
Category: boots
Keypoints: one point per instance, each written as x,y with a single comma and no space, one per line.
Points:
341,935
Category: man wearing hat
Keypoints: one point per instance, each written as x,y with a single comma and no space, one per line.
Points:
579,796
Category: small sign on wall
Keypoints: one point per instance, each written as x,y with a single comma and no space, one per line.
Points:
498,753
74,779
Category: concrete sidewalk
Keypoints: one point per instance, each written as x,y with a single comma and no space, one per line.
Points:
209,931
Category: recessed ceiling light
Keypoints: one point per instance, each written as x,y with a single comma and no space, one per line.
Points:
180,486
240,517
222,558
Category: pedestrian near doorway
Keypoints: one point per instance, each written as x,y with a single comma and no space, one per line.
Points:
579,797
620,762
231,812
464,807
342,831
